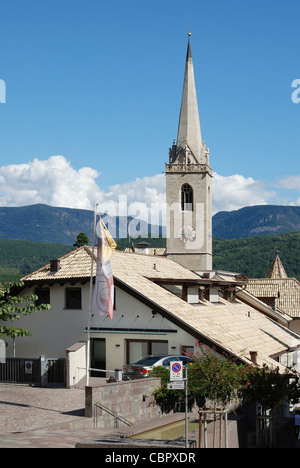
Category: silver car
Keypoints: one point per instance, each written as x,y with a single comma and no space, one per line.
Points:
143,366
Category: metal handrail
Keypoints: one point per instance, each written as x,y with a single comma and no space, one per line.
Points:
116,416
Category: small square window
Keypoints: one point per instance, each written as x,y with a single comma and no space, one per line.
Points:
73,298
43,295
187,349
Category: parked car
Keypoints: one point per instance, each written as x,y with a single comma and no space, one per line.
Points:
143,366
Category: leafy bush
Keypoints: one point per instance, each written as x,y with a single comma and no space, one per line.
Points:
219,380
13,306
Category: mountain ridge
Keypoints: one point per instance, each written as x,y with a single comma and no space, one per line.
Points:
258,220
31,236
43,223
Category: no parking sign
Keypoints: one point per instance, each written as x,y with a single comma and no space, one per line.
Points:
176,370
28,367
2,352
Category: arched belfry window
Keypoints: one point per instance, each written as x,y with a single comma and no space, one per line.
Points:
187,198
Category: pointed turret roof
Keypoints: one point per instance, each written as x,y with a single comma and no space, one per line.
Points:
189,124
276,270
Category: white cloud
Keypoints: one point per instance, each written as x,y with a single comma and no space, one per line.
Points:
236,191
295,203
289,182
289,189
136,198
229,193
55,182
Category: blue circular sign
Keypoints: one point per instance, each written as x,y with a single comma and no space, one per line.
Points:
176,367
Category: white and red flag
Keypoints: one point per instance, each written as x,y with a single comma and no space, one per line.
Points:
103,300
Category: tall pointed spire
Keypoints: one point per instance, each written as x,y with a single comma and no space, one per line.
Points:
189,185
189,123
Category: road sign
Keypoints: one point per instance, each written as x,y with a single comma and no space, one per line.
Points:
28,367
176,371
176,385
2,352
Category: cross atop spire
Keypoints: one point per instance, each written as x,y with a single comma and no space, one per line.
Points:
189,50
189,123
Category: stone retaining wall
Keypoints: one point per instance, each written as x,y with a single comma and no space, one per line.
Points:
133,400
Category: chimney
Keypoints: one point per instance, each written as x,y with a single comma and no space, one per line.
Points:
253,355
54,266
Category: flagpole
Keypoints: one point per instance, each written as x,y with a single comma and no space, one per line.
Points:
88,350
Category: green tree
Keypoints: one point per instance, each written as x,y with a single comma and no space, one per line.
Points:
269,387
172,400
81,240
212,379
12,307
217,379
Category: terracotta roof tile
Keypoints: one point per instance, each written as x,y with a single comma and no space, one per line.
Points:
286,291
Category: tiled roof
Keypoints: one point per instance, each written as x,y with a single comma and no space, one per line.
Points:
236,327
276,270
277,285
150,250
278,314
286,291
76,264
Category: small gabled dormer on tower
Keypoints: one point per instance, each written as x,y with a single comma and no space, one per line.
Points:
188,185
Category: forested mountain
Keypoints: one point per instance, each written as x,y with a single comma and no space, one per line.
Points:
250,256
242,242
253,256
262,220
42,223
18,257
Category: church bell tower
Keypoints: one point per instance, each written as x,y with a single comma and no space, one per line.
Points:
189,185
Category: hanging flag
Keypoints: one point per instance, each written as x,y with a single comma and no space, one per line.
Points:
103,301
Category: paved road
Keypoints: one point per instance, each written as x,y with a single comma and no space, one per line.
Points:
42,417
33,417
24,408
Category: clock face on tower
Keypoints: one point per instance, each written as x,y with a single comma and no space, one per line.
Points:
186,233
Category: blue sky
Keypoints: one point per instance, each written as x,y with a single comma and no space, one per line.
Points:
93,93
